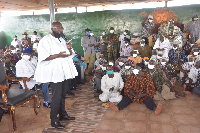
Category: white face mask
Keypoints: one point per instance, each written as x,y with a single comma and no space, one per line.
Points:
103,68
121,63
100,66
174,48
150,20
110,63
111,31
17,49
146,63
127,67
26,57
163,63
191,63
196,53
103,33
125,33
13,51
134,55
136,71
126,44
142,44
159,57
151,66
195,19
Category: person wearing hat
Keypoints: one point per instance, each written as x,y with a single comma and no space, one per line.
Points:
193,27
163,86
112,40
16,43
88,43
35,40
148,27
111,85
26,68
26,41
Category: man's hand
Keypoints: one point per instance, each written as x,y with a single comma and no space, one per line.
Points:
63,54
91,45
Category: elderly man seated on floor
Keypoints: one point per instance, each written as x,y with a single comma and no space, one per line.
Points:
164,88
26,68
139,88
111,85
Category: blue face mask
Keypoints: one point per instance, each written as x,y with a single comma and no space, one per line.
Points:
110,72
88,33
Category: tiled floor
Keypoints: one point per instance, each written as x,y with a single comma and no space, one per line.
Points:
180,115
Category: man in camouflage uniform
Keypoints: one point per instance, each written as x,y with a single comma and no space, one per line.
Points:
112,47
103,44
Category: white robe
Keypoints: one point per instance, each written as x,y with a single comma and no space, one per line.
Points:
56,70
163,45
25,69
106,83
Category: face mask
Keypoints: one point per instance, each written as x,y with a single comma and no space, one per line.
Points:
175,48
196,53
191,63
159,57
127,67
150,20
100,66
121,63
103,68
146,63
88,33
150,66
26,57
125,33
142,44
17,49
57,35
136,71
111,31
134,55
126,44
110,72
195,19
163,63
110,63
103,33
13,51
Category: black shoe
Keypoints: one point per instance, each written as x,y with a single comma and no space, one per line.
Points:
66,117
57,125
70,93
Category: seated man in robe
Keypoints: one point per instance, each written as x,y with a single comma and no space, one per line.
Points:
139,88
26,68
111,85
163,43
195,76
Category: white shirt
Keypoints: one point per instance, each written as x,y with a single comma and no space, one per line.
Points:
36,37
58,69
25,68
116,82
15,43
193,74
165,44
121,39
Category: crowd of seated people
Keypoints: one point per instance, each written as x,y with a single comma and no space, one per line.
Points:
125,69
133,71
